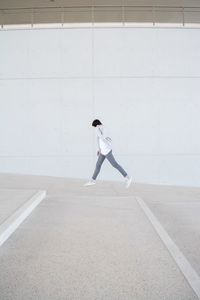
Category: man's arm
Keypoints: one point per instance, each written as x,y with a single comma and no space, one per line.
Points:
100,135
99,150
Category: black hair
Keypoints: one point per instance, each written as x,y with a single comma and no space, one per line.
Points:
96,122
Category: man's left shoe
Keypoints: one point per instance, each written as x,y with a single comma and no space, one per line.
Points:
128,182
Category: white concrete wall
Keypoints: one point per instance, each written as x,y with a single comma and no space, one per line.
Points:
143,83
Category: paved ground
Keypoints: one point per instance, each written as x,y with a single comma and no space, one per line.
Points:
96,242
179,212
11,200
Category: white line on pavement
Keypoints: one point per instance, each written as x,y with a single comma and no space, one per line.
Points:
11,224
186,268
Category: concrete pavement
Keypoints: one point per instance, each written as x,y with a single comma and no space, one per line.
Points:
94,243
11,200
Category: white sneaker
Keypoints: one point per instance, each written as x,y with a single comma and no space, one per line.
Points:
92,182
128,182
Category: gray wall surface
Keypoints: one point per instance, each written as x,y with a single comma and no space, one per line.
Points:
143,83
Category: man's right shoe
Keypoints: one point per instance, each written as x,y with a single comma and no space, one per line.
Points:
92,182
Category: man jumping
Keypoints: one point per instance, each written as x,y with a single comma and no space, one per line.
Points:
105,151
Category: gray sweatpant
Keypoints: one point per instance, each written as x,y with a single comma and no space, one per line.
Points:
113,162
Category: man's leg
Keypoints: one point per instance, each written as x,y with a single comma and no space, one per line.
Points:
99,163
113,162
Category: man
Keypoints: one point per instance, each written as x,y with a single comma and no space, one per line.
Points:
105,151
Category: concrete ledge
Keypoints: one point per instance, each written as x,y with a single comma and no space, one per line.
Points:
11,224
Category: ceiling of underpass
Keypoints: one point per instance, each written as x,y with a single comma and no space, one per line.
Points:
99,11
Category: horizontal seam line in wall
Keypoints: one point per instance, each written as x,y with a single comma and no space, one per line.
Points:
102,6
85,155
96,77
151,27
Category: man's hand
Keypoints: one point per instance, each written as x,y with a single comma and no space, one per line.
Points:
98,152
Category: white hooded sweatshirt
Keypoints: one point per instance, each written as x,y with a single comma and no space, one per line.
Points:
104,142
